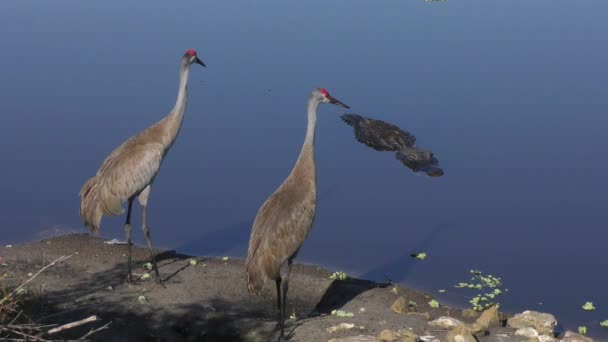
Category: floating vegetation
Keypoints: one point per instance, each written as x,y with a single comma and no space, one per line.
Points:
341,313
604,324
433,303
588,306
338,276
411,304
419,256
488,287
582,330
441,291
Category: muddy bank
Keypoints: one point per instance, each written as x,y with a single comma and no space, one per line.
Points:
206,301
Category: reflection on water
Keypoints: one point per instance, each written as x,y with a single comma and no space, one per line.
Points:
510,95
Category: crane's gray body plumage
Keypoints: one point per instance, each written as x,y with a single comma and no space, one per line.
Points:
383,136
283,223
286,217
129,171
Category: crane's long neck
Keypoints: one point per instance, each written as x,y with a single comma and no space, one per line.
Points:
174,120
305,166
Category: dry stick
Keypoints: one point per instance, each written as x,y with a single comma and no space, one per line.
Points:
93,331
62,258
73,324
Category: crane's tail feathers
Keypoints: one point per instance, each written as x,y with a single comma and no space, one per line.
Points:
255,277
96,201
419,160
90,211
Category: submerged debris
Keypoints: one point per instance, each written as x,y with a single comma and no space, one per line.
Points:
382,136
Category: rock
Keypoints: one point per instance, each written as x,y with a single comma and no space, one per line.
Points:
543,323
460,334
527,333
470,313
360,338
488,318
571,336
546,338
403,335
445,322
399,306
342,326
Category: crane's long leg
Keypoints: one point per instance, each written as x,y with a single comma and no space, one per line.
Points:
279,321
284,288
128,236
143,200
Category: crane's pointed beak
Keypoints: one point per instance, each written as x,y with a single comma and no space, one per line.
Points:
337,102
198,61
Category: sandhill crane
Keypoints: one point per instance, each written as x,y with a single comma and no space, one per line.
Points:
285,219
129,171
382,136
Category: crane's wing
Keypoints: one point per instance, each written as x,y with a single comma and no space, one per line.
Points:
378,134
126,172
279,229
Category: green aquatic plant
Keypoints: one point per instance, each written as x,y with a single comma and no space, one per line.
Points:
582,330
225,258
293,316
433,303
604,324
192,262
148,266
488,287
419,256
588,306
338,276
341,313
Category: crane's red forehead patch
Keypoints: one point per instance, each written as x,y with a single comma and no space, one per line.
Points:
191,52
324,92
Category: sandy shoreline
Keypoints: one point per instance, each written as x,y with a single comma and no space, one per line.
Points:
207,301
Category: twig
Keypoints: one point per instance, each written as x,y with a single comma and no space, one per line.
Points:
93,331
62,258
73,324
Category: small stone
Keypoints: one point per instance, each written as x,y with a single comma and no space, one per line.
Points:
387,336
9,246
445,322
571,336
460,334
403,335
142,299
543,323
399,306
527,333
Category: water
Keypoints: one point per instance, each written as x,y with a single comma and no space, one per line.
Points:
510,95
